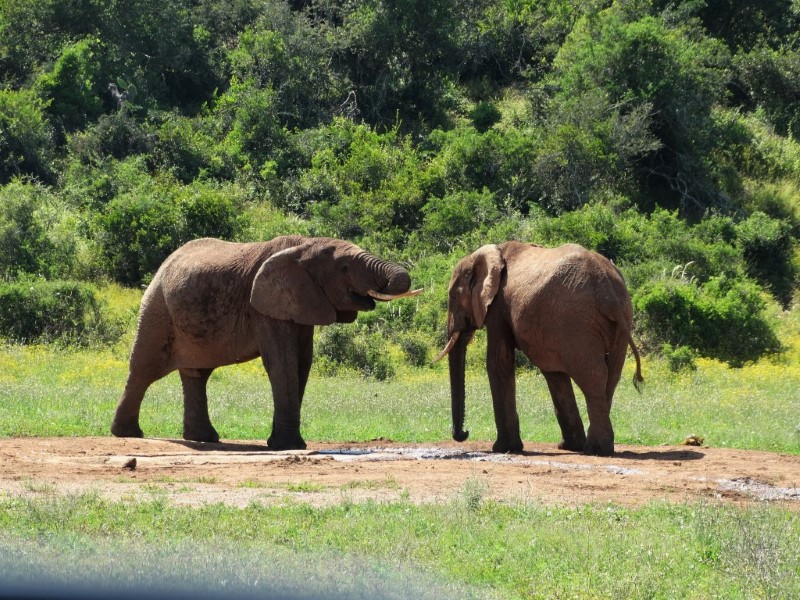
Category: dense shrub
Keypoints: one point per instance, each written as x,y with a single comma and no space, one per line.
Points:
416,349
772,80
26,138
23,241
138,230
484,116
498,161
448,220
347,347
250,127
184,148
117,135
361,184
73,88
637,60
285,53
44,311
679,359
39,235
721,319
767,247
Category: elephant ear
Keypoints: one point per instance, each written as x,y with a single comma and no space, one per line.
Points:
284,290
486,272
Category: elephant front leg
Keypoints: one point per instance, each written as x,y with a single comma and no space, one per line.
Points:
286,358
500,368
573,436
196,421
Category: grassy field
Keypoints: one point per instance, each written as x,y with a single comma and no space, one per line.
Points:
50,392
467,548
471,547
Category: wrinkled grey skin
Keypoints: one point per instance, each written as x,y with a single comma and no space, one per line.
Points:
568,310
215,303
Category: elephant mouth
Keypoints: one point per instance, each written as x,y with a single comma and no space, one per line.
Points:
361,302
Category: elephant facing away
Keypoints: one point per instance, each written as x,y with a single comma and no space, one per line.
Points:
215,303
568,310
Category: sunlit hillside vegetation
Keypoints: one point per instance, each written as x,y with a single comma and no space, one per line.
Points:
658,133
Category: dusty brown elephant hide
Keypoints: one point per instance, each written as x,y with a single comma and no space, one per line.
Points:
568,310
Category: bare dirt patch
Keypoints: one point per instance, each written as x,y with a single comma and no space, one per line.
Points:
240,472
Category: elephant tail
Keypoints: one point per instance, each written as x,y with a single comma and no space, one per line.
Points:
637,377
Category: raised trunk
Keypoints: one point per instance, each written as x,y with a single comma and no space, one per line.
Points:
457,360
390,278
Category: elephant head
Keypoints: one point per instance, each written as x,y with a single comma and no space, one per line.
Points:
473,287
323,280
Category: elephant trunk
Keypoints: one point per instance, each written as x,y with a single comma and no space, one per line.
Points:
391,280
457,360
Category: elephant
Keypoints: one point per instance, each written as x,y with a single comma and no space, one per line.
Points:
568,310
214,303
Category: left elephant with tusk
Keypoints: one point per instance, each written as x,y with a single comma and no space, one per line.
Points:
214,303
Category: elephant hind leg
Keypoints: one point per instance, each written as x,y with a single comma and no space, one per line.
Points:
593,382
196,421
126,417
573,436
150,361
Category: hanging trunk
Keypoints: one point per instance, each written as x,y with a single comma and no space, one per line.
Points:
457,360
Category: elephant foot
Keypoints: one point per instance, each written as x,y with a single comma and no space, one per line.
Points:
204,434
284,441
598,448
129,430
572,444
506,447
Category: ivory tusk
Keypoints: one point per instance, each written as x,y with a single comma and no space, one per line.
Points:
450,343
387,297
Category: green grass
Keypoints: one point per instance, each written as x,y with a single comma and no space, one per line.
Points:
50,392
469,546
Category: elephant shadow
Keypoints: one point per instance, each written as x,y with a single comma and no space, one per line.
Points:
665,455
220,446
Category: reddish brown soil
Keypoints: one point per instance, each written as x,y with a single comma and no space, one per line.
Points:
240,472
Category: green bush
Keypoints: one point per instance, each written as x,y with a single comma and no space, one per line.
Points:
45,311
498,161
138,230
640,60
767,246
723,318
183,148
416,349
26,138
772,80
73,87
117,135
679,359
365,353
448,220
23,241
484,116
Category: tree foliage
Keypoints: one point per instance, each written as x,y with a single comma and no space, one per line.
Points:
662,134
